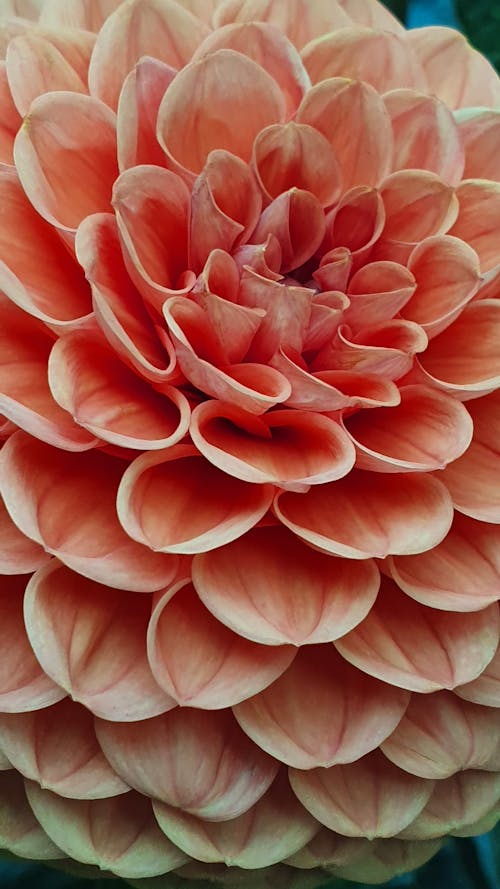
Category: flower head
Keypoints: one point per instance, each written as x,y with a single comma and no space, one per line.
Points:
250,399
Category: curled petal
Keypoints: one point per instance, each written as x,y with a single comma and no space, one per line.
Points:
357,222
157,491
456,803
24,686
18,554
65,154
97,649
158,28
426,136
485,689
387,350
417,204
462,573
440,735
327,310
370,514
236,325
89,15
157,757
201,663
334,270
380,58
140,98
275,827
118,834
10,119
352,117
479,130
300,20
20,831
370,798
287,313
425,431
189,130
57,747
418,648
479,219
69,507
264,600
285,447
378,291
321,712
296,219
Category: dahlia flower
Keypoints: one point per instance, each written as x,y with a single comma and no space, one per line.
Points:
250,421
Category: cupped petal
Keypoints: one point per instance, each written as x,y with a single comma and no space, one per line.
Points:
20,831
109,400
426,136
18,554
455,72
370,798
65,154
266,45
57,747
284,447
462,573
440,735
464,359
91,640
69,507
24,686
472,479
159,28
479,219
352,117
370,514
386,349
456,803
10,119
300,20
286,310
275,827
158,757
357,222
199,662
321,712
372,14
156,495
89,15
239,90
119,834
138,104
264,601
328,850
152,211
389,858
419,648
327,308
485,689
479,130
418,204
377,292
378,57
296,219
426,431
225,207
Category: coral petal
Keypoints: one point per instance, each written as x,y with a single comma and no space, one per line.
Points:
140,98
89,15
417,204
479,219
486,688
372,14
296,219
377,291
300,20
10,119
456,803
479,129
18,554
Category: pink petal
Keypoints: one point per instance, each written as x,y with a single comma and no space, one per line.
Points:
249,387
479,218
285,447
28,9
300,20
157,491
486,688
465,359
370,514
287,313
199,662
69,507
140,98
352,117
204,9
417,204
472,479
357,222
296,219
190,130
57,747
65,155
264,600
440,735
370,798
446,270
10,119
379,58
321,711
158,756
89,15
118,834
275,827
455,72
426,431
378,291
20,831
158,28
109,400
418,648
226,205
462,573
97,649
425,135
456,802
23,684
479,129
266,45
372,14
152,211
18,554
386,349
329,849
